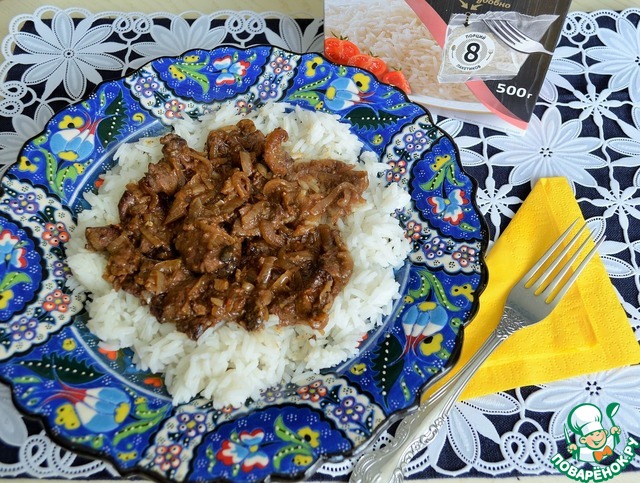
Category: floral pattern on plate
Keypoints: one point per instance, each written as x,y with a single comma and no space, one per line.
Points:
93,398
34,299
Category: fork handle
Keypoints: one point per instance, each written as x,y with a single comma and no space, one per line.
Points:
420,428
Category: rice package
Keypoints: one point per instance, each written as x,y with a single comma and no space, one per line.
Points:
481,61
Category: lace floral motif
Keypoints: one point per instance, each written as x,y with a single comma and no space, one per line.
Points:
54,57
550,147
586,127
65,53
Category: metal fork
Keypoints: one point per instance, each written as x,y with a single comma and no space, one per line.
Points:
514,37
531,300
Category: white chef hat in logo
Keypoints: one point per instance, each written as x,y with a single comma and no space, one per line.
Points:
585,419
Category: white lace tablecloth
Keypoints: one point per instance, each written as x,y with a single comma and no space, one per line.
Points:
586,127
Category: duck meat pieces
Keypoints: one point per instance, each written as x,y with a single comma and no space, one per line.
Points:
235,234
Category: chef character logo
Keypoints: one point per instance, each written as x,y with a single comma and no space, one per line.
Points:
594,456
594,443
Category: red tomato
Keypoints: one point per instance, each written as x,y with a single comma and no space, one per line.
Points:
339,50
397,78
375,65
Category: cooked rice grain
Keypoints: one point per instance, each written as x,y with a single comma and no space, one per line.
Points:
228,364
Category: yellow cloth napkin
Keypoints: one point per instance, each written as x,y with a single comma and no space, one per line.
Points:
587,332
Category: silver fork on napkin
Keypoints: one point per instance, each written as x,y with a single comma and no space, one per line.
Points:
513,37
531,300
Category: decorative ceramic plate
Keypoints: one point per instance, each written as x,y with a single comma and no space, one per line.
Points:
95,401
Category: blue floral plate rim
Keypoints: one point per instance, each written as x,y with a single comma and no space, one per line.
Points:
391,418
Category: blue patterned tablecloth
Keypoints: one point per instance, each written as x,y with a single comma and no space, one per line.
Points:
586,127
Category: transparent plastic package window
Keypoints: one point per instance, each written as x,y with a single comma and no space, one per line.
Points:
472,51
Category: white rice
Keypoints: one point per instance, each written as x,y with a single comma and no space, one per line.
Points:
391,30
228,364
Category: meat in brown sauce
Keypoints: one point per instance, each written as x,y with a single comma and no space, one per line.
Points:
233,234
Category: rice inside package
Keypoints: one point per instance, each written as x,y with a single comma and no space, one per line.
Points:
481,61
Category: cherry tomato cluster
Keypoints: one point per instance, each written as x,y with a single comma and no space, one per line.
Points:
343,51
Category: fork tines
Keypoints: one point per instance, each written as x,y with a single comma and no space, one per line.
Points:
548,281
512,35
507,30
